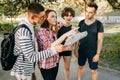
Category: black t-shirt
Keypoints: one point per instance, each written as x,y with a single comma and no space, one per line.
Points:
89,43
63,30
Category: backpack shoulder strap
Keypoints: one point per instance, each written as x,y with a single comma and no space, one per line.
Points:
22,26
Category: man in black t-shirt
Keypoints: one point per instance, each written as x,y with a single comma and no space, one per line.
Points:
90,46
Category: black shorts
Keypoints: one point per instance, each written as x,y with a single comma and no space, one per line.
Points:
66,53
82,60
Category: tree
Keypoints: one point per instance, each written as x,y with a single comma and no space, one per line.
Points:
114,3
11,8
14,7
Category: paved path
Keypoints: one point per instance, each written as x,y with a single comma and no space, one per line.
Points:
103,73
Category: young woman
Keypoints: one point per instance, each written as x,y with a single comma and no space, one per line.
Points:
67,14
46,36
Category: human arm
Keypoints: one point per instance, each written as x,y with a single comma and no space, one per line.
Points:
99,46
76,49
27,47
63,37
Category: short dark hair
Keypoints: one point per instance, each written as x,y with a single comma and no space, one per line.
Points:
66,10
46,23
92,4
35,8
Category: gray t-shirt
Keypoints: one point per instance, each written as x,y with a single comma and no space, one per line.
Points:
89,43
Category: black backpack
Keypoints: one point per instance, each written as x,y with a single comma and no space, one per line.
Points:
8,58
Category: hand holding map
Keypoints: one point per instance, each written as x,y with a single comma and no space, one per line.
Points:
74,38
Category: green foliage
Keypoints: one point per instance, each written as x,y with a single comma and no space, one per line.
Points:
12,8
110,55
5,27
114,3
75,24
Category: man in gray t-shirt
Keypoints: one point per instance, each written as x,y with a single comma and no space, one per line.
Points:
90,46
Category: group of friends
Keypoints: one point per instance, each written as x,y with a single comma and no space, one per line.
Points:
46,46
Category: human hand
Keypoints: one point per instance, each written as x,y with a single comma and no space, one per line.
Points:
59,48
96,58
60,24
76,54
71,32
69,48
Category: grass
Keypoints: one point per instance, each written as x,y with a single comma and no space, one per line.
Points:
110,55
111,26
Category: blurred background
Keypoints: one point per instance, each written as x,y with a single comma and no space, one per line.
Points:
12,11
